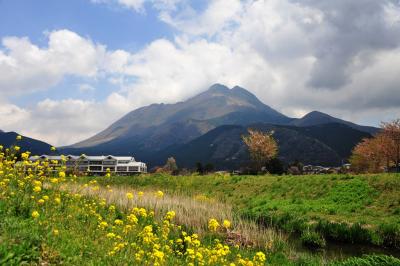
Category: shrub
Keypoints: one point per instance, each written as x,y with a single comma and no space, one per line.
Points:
369,260
312,240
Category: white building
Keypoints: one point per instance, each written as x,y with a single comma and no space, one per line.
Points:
98,164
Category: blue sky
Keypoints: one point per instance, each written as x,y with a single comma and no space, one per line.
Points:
76,66
112,25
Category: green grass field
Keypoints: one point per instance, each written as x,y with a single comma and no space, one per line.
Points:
50,218
348,208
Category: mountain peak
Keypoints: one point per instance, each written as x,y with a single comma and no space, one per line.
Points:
219,88
316,114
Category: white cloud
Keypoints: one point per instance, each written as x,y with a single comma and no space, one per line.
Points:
59,122
25,67
86,88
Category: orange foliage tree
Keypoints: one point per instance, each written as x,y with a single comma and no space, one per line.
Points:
380,152
262,147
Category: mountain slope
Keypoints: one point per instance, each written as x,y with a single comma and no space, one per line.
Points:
36,147
224,148
154,132
318,118
217,106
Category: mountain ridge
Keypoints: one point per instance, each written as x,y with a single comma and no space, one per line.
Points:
36,147
159,129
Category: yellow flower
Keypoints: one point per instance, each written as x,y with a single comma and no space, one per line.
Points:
118,222
57,200
226,224
108,175
129,195
35,214
19,137
260,256
61,174
46,197
159,194
110,235
170,215
37,189
132,218
213,225
54,180
17,148
41,201
53,148
103,225
25,156
56,232
141,193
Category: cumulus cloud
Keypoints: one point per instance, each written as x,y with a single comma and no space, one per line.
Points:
25,67
339,57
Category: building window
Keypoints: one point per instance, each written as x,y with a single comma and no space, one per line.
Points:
109,162
95,162
95,168
83,168
121,168
133,169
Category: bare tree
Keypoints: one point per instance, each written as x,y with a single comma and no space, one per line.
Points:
392,131
170,166
383,150
262,147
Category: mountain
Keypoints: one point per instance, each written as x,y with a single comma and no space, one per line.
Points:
224,148
36,147
318,118
154,132
160,125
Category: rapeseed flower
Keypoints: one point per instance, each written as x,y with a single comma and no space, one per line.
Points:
226,224
35,214
57,200
118,222
129,195
213,225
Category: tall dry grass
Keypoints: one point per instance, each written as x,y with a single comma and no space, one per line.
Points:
193,212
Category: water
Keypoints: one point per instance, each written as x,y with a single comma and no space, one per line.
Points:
337,250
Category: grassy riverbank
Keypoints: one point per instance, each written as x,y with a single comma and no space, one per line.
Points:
349,208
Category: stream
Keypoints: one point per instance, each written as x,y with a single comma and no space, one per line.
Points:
339,250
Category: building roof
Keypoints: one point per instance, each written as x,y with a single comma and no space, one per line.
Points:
83,156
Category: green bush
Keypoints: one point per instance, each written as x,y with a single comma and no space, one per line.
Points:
369,260
312,240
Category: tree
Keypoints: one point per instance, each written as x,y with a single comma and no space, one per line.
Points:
170,166
208,168
199,168
262,147
275,166
392,131
381,151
